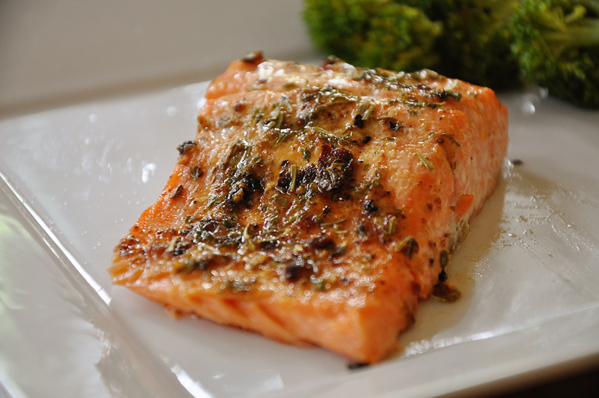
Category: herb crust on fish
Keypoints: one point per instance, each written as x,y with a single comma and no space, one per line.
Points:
318,204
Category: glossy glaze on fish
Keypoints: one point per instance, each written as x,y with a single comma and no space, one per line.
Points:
318,204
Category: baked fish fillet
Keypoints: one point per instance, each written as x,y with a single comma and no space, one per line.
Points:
318,204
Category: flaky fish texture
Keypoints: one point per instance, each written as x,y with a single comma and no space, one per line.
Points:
318,204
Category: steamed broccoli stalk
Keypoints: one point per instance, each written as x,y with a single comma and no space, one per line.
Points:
374,33
557,45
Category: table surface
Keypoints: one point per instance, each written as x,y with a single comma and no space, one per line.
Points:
581,384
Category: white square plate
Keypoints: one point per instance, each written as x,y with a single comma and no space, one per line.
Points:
80,177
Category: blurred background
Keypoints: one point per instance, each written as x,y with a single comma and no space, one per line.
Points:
58,52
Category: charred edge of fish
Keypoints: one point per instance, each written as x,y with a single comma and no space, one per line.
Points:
334,168
186,146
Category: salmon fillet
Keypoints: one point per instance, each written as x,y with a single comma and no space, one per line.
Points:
318,204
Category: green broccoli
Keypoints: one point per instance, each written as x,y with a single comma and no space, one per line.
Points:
557,46
400,37
495,43
476,44
467,39
374,33
337,26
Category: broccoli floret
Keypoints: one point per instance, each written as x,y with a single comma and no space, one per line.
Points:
495,43
467,39
374,33
337,26
400,38
557,45
476,44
